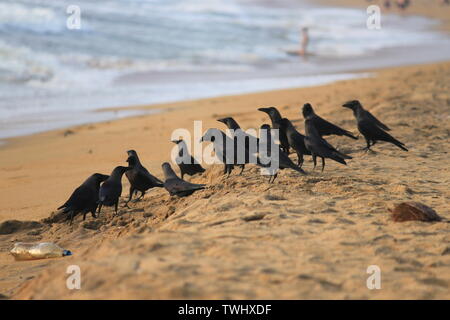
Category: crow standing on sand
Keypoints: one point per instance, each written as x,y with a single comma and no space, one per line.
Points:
370,127
228,152
139,177
111,189
283,161
85,198
240,136
319,147
324,128
296,139
275,116
177,186
187,163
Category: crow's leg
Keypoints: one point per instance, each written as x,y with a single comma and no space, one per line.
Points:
323,163
300,159
314,158
368,145
71,216
225,169
100,207
93,214
142,195
132,190
229,168
242,169
274,177
116,205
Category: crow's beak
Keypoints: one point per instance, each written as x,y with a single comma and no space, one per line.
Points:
176,141
347,105
221,120
266,110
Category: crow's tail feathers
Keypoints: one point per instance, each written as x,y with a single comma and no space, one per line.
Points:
338,158
350,135
400,145
298,169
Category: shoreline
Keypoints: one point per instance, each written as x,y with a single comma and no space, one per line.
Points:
323,67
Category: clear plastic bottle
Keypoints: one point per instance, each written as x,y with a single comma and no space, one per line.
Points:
43,250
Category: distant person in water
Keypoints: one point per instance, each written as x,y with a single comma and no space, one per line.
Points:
304,42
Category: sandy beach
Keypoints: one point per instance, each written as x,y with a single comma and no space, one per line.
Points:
303,237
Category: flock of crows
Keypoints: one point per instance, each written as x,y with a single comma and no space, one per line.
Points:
102,190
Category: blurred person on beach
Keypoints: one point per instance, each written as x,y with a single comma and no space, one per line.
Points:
403,4
304,42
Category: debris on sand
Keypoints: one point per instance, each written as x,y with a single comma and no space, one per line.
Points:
409,211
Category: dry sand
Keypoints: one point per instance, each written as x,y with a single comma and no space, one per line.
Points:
303,237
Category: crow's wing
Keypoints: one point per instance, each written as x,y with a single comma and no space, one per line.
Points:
109,191
175,186
333,149
80,199
145,174
377,122
297,141
373,132
196,165
326,128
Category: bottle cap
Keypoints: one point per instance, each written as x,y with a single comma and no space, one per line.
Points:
67,253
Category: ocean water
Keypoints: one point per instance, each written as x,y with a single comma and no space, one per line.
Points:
130,52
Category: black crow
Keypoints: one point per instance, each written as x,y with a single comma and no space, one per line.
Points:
111,189
85,198
275,116
139,177
324,128
187,163
370,127
241,137
295,138
176,186
277,163
319,147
